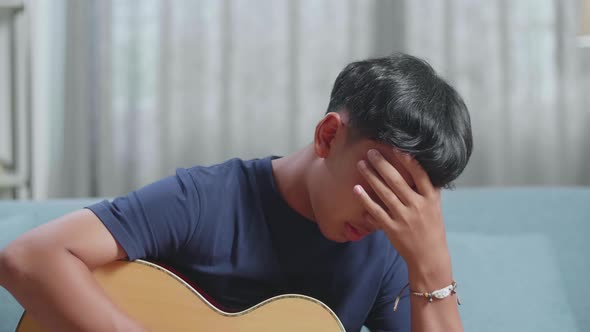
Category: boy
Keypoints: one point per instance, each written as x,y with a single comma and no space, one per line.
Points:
350,219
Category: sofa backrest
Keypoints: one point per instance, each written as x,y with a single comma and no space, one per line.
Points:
520,255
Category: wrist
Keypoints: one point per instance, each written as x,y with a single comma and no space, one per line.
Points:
429,274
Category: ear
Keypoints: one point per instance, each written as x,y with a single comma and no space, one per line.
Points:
325,132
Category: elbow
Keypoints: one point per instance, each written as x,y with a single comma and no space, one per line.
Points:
9,264
16,261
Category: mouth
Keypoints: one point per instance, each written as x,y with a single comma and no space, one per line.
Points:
354,233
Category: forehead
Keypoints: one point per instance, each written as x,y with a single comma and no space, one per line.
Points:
388,151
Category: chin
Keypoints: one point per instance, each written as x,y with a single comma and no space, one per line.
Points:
332,235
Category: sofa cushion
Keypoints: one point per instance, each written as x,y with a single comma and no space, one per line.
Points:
509,283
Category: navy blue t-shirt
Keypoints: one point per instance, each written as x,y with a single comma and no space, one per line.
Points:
227,229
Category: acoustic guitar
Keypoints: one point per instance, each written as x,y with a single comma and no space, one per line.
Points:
163,301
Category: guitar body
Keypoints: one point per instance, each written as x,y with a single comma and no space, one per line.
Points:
162,301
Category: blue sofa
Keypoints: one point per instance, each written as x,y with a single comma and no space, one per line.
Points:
520,255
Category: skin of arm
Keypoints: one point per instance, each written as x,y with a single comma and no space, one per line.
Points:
48,271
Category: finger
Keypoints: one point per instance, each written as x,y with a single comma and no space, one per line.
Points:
389,198
380,217
419,175
379,226
372,221
391,176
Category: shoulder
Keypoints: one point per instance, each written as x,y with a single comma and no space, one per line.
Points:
226,173
231,178
234,166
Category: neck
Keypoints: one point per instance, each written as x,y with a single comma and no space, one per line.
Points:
291,173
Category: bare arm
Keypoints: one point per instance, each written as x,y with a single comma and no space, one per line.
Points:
48,271
438,315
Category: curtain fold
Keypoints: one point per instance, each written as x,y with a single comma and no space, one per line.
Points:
154,85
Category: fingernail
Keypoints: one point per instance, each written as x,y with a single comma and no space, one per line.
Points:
373,154
358,189
362,164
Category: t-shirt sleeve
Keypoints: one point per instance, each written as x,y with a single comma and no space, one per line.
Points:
382,317
155,221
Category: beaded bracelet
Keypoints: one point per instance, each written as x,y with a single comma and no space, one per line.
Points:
438,294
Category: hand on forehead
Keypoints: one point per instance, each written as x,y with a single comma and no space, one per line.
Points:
393,156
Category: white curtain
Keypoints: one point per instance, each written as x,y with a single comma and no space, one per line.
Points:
153,85
526,83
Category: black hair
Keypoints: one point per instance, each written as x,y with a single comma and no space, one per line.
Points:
399,100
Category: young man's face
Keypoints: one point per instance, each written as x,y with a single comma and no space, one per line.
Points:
337,210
